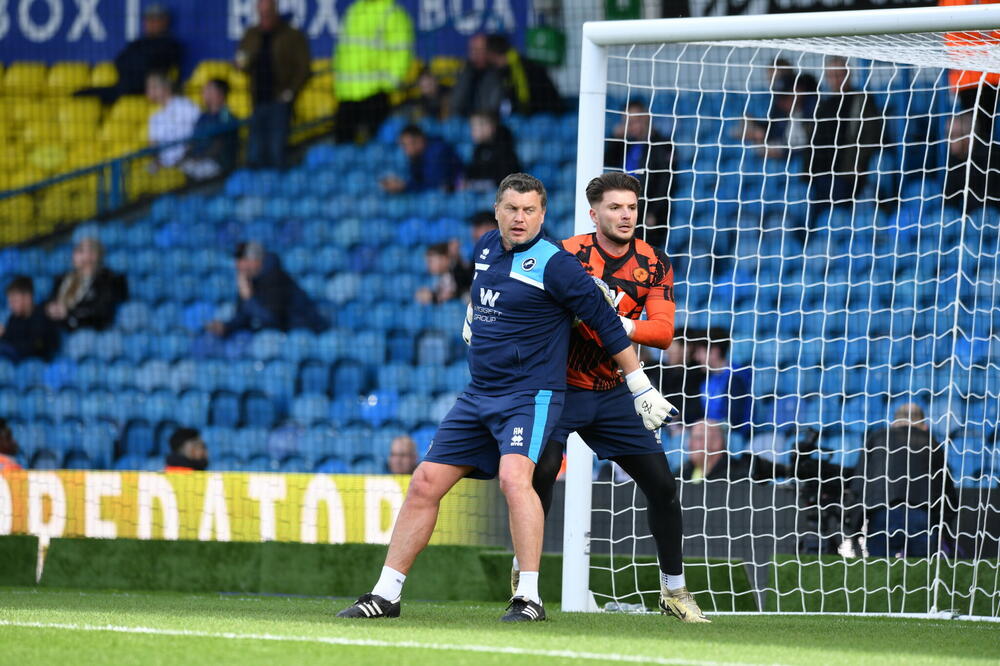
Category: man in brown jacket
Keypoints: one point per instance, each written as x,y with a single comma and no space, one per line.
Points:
276,57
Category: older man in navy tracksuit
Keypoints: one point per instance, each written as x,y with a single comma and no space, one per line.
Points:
525,296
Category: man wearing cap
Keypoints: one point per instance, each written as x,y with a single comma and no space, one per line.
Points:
155,51
268,296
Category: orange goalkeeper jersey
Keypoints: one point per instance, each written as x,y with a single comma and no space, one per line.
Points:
642,278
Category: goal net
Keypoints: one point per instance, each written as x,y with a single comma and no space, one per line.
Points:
827,188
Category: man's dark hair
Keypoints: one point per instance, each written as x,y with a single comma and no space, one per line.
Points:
637,106
21,284
522,183
498,44
714,337
607,182
163,77
181,437
412,130
440,249
490,116
483,218
222,85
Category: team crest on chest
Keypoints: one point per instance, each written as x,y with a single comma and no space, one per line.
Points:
640,274
528,263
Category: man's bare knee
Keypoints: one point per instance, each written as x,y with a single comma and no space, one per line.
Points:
515,481
425,488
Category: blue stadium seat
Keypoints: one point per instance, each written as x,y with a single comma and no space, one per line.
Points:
221,441
258,410
109,345
268,345
254,441
349,379
192,408
395,376
224,409
152,375
332,465
59,373
277,380
131,462
225,463
310,408
34,404
65,405
380,407
90,374
428,378
138,439
260,463
29,373
314,377
133,317
45,459
294,465
345,410
136,347
433,349
97,440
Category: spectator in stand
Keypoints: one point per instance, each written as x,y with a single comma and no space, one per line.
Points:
216,139
639,150
188,452
973,176
372,58
846,135
494,157
8,449
402,455
904,487
276,57
970,86
527,86
268,296
433,164
88,295
154,51
173,122
453,277
28,333
788,125
678,379
481,223
480,85
708,457
431,101
724,392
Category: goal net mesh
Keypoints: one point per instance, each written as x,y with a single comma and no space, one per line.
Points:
831,209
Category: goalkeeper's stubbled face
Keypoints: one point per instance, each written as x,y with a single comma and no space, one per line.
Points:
615,215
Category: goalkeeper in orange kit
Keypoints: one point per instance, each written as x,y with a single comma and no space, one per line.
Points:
598,401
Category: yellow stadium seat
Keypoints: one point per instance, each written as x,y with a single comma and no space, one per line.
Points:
38,131
49,157
24,109
117,130
85,154
104,74
239,104
78,132
24,175
314,104
322,81
131,108
24,78
83,110
322,65
209,69
13,156
17,209
66,77
446,69
239,81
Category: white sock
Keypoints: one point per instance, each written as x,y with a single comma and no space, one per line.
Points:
672,582
517,567
390,584
527,586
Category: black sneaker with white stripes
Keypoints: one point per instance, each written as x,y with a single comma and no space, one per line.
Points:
371,606
522,610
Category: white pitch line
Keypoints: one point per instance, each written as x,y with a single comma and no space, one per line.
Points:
363,642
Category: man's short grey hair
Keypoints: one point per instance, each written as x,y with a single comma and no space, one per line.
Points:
522,183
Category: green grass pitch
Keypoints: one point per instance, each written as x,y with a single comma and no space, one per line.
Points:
59,626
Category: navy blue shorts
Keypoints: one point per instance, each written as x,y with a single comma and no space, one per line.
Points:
481,428
607,422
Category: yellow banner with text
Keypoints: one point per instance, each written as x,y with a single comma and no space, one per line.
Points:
228,506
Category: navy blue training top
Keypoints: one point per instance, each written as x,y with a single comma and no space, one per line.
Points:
524,301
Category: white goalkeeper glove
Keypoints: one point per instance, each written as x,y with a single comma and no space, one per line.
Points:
467,326
628,324
649,404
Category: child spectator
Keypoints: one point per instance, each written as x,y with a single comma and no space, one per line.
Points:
88,295
173,122
216,142
28,331
453,275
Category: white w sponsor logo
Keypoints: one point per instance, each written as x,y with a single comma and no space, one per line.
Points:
488,297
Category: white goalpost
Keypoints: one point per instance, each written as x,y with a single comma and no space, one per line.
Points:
827,188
